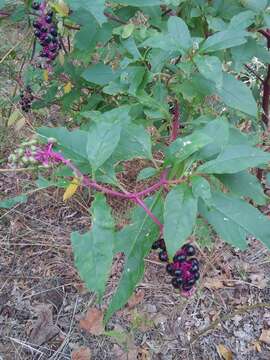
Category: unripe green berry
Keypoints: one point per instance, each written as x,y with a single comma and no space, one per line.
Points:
19,151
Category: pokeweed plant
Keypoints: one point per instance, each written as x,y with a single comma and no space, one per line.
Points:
147,77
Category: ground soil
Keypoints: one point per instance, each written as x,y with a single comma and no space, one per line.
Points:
231,307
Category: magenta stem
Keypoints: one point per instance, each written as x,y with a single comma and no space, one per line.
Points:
149,212
175,122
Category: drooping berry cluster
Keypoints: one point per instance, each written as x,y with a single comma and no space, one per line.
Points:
30,153
185,267
46,31
26,98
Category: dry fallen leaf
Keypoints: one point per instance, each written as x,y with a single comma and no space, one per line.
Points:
259,280
93,322
143,354
265,336
136,299
224,352
43,328
82,353
120,354
257,346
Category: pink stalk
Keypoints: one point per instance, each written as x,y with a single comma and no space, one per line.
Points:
149,212
175,122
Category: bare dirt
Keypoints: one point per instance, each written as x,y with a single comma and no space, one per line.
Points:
42,299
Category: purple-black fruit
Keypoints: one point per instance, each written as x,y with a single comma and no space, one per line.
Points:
187,287
35,5
177,272
169,269
191,281
175,283
162,244
48,19
196,276
163,256
190,250
36,24
179,258
53,31
155,245
43,29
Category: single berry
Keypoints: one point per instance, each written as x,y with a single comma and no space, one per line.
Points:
43,29
48,19
37,33
54,40
155,245
187,287
175,283
35,5
179,281
191,281
36,24
53,32
163,256
177,272
47,40
179,258
169,269
196,276
194,261
162,244
190,250
194,268
49,13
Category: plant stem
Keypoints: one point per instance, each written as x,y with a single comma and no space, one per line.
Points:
175,122
266,84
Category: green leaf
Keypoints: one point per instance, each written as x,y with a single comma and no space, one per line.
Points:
135,142
9,203
228,230
93,251
237,95
210,67
218,130
146,173
135,240
99,74
184,147
203,234
96,8
255,5
103,138
180,211
236,214
223,40
201,188
244,184
242,20
179,32
71,142
235,158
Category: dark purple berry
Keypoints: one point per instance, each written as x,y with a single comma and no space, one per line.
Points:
35,5
179,258
43,29
53,31
155,245
187,287
163,256
196,276
190,250
36,24
37,33
48,19
47,40
175,283
177,272
162,244
169,269
194,268
194,261
191,281
49,13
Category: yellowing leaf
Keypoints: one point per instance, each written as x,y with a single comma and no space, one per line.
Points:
14,117
61,8
224,352
68,87
46,75
127,30
61,58
71,189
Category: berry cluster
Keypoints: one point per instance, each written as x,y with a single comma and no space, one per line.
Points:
46,32
184,268
26,98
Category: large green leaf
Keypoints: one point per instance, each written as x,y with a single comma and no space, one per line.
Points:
224,40
99,74
244,184
256,5
235,158
95,7
135,240
180,211
201,187
135,142
71,142
210,67
228,230
179,32
184,147
103,138
237,215
235,94
93,251
242,20
139,3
